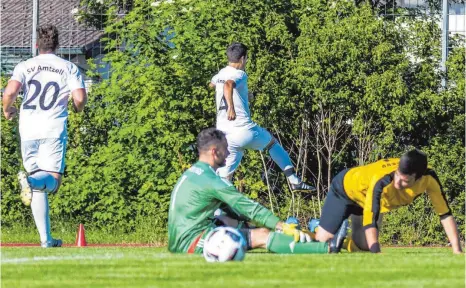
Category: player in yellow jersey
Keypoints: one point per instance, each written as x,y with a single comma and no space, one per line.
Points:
366,192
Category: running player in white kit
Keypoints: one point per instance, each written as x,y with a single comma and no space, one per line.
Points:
47,82
233,118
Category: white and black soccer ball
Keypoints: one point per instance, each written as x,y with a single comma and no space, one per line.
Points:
224,244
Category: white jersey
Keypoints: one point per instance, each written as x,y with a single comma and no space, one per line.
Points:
240,99
47,82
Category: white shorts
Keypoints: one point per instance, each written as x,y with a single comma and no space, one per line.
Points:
44,154
255,138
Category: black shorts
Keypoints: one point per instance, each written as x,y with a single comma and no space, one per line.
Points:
337,205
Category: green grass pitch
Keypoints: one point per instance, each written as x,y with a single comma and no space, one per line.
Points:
155,267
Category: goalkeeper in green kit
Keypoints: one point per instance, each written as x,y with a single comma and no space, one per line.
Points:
200,191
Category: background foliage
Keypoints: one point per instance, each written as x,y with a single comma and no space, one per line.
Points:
337,85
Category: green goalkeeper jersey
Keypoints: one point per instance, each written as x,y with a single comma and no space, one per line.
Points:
196,196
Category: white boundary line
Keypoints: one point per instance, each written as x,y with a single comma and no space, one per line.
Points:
59,258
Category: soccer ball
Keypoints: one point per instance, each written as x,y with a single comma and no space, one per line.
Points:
224,244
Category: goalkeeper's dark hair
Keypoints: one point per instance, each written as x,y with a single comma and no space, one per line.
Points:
413,162
209,137
235,51
47,38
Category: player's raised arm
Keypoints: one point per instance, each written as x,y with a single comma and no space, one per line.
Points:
437,196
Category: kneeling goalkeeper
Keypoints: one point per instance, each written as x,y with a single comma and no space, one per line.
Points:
200,191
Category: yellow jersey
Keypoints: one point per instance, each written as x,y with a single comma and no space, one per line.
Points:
371,187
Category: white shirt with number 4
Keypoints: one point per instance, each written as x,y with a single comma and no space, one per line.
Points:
240,99
47,82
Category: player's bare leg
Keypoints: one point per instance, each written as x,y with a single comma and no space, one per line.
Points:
335,240
322,235
259,237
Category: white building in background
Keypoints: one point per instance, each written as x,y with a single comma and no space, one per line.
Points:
78,43
456,17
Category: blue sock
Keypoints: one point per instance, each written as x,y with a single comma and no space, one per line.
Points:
43,181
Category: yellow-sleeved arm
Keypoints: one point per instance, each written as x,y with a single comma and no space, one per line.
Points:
372,203
436,194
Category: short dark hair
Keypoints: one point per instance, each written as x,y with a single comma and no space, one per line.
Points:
413,162
47,37
235,51
209,137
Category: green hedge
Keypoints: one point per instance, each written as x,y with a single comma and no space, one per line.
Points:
380,78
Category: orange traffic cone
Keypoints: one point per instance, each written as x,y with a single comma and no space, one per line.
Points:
80,237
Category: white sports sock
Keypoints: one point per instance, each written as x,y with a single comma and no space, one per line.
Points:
293,178
40,211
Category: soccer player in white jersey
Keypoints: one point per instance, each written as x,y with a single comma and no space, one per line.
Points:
47,82
233,118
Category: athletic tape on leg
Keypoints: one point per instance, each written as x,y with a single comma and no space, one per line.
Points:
44,181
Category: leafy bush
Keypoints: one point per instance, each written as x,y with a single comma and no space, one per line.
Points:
312,65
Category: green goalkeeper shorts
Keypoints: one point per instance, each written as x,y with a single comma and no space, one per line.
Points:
197,246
